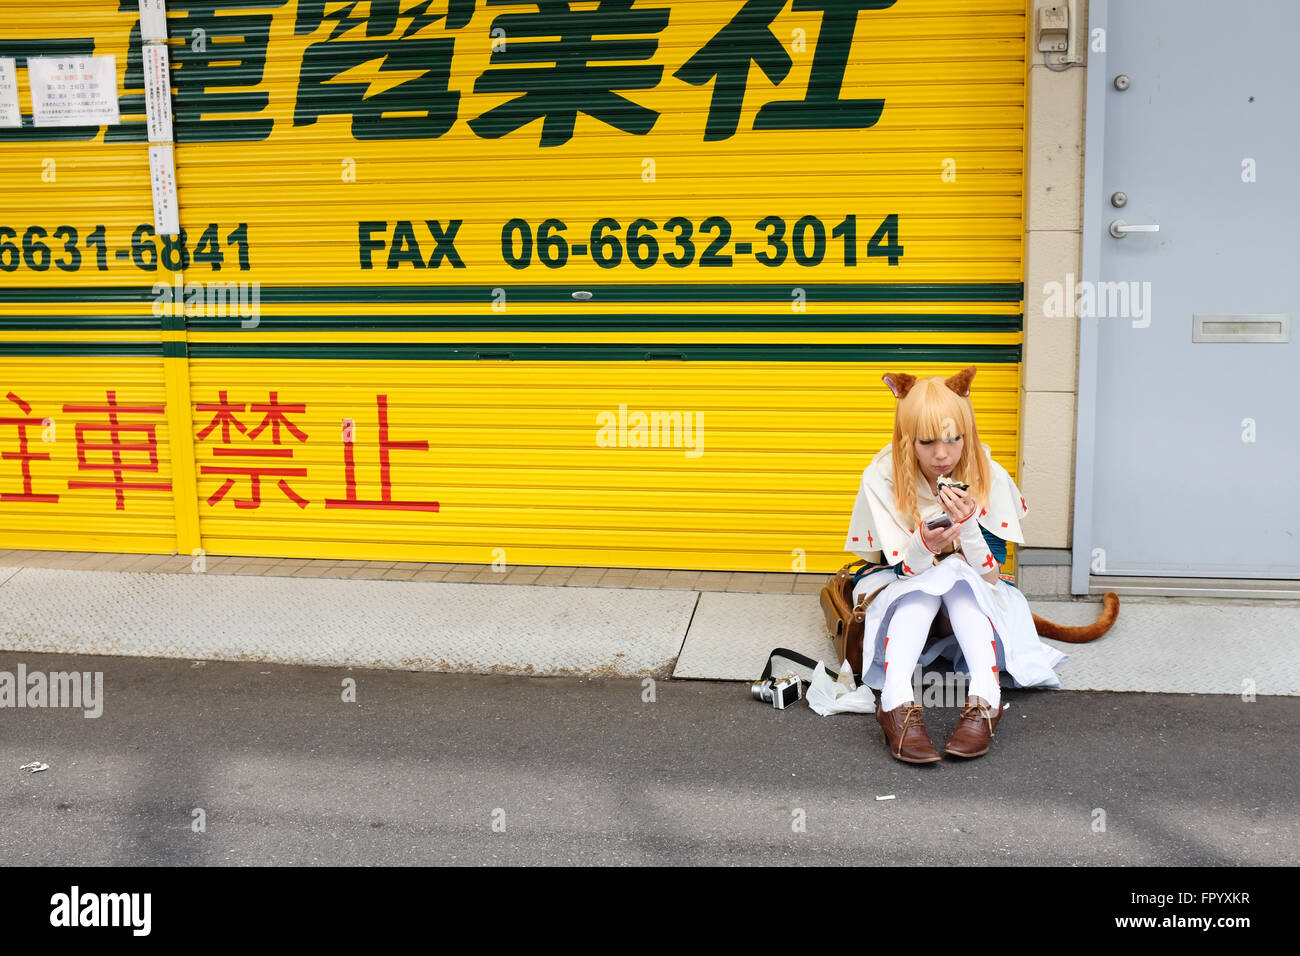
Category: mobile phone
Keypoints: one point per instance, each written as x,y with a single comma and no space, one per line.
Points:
943,521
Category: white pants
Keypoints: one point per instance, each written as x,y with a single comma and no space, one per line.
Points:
910,625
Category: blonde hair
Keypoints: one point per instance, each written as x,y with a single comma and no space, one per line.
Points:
931,410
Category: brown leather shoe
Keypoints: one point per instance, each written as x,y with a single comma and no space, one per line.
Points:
904,732
970,738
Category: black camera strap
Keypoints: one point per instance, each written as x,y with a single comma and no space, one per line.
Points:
797,658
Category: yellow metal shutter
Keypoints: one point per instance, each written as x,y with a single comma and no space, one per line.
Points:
722,221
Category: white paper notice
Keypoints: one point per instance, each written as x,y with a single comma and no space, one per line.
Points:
10,115
153,20
157,93
73,90
162,173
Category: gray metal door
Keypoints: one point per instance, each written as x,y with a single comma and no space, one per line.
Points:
1196,458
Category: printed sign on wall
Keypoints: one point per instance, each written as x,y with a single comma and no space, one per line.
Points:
162,175
153,20
10,115
157,93
73,90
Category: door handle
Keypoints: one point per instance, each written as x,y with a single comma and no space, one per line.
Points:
1119,228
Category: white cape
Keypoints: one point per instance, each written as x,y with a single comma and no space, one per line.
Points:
878,534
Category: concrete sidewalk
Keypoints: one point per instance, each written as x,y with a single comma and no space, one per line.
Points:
554,621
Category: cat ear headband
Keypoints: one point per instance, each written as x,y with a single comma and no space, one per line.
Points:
900,383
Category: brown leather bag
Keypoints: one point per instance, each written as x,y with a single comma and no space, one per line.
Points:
845,620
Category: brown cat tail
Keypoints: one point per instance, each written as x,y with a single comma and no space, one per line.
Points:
1087,632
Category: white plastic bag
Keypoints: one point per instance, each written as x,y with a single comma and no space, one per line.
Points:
840,696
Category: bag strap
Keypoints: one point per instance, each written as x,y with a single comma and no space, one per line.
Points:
797,658
867,568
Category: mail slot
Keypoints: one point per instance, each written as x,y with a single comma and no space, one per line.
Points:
1241,328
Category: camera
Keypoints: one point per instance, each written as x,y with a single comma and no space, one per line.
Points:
779,692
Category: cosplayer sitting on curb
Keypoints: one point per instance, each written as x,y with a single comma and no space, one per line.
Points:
992,627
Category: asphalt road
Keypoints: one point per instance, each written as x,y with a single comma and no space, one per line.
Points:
462,769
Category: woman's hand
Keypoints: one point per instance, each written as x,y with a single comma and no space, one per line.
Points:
957,503
961,506
939,538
